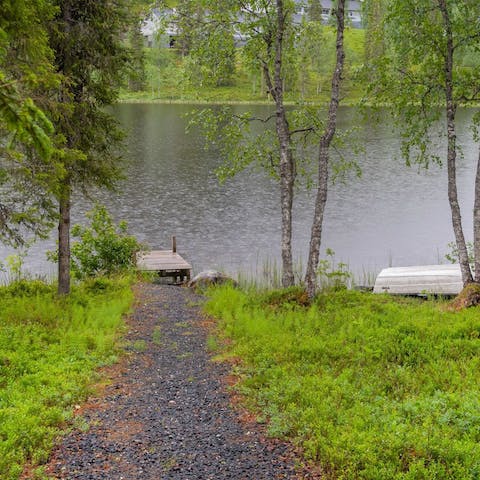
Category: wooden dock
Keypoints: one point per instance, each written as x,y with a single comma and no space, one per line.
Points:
167,263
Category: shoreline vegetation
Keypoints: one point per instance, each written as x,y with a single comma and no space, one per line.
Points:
170,77
181,101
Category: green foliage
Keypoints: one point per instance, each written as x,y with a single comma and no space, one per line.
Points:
333,276
27,124
409,75
452,255
244,140
91,59
14,265
216,73
24,64
235,137
24,287
369,386
26,134
49,351
208,45
157,335
290,297
139,346
103,248
137,73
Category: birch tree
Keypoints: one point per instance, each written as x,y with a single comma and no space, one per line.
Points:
272,42
324,155
421,70
269,34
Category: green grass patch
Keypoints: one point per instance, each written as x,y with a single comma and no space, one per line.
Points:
50,349
139,346
157,335
369,386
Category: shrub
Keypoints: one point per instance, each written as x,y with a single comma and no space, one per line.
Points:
103,248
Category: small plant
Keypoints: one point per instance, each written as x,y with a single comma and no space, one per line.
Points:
14,267
157,335
212,344
139,346
333,276
286,297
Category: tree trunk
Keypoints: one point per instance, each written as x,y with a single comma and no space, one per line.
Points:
323,157
451,108
476,222
287,174
287,167
64,243
286,194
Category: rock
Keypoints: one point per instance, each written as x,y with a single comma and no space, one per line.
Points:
210,277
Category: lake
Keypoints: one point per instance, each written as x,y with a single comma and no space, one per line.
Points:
390,216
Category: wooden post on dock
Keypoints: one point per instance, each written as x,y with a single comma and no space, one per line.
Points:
174,244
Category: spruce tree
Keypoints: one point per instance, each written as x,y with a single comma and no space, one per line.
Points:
86,37
26,166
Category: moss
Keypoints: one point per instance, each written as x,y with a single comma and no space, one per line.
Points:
468,297
291,297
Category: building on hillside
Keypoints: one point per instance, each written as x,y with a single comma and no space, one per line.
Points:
159,29
353,11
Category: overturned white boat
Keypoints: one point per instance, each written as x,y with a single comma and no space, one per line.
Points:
420,280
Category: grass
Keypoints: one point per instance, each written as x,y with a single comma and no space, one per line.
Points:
157,335
370,387
50,349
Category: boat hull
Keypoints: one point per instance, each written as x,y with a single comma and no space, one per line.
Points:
420,280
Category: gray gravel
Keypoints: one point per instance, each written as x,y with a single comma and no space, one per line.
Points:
168,414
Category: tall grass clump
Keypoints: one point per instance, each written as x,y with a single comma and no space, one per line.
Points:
50,348
370,387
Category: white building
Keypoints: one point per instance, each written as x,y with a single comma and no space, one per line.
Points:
159,29
353,10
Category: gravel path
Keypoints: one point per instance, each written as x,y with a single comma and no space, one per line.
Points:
167,414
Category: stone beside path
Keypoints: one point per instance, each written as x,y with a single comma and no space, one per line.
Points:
167,413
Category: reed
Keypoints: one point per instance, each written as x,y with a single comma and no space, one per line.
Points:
267,274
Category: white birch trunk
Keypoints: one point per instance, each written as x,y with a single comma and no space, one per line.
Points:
323,158
452,149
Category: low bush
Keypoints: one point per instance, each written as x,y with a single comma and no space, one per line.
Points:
102,248
369,386
49,350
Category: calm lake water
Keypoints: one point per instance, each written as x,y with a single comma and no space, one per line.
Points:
391,216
